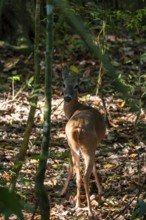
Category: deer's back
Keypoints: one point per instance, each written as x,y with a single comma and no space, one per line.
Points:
86,124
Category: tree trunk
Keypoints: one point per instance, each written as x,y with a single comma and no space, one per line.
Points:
40,192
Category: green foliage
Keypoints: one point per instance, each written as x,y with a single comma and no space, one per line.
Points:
71,42
30,81
61,155
9,203
143,58
18,163
76,44
130,20
140,211
93,15
105,20
139,86
13,79
65,155
136,20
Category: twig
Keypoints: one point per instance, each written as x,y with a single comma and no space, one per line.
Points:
56,107
15,96
126,207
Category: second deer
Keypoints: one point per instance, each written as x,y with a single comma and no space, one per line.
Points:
84,130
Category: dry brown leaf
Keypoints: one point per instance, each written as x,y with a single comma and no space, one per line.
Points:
133,185
96,102
144,168
94,203
33,161
133,155
7,176
108,166
82,197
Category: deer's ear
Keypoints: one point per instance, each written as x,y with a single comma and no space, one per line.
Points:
65,72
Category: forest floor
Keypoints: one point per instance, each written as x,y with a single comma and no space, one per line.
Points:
120,158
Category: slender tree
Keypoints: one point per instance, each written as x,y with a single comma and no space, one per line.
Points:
41,195
22,153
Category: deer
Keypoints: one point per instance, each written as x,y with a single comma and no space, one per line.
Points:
84,131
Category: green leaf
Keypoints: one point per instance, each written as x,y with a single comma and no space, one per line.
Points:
35,157
35,95
74,69
142,208
134,215
29,82
9,203
65,155
34,104
143,58
15,78
19,163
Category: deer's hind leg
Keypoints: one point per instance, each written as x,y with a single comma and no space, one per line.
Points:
99,187
89,162
70,173
76,162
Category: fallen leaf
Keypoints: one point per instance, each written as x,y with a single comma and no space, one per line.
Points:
122,104
133,155
108,166
94,203
96,102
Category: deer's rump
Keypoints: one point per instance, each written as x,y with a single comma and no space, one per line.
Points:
85,128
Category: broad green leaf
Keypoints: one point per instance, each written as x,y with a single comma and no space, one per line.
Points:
142,208
9,203
15,78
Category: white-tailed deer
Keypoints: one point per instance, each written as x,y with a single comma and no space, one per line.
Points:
84,130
